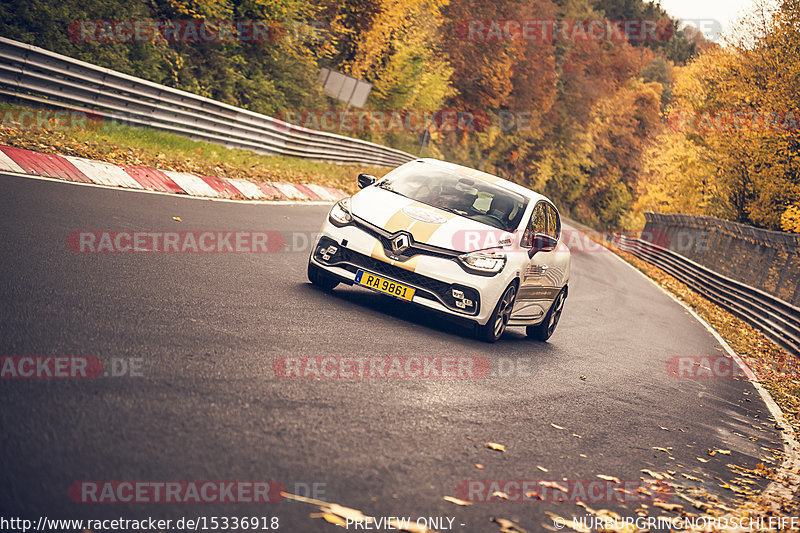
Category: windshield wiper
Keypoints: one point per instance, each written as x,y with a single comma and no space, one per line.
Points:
454,211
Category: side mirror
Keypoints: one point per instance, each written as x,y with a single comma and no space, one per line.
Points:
365,180
542,243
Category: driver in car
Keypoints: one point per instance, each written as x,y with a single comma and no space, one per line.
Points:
500,208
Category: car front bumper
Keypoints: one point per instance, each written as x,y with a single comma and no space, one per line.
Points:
434,278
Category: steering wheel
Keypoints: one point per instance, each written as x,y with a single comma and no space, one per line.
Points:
497,218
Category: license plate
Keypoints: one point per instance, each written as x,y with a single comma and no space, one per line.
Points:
384,285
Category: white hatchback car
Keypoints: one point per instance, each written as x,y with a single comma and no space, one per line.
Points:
452,239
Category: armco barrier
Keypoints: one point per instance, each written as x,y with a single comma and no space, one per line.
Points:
39,76
779,320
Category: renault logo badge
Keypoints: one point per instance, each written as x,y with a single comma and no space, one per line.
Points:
400,243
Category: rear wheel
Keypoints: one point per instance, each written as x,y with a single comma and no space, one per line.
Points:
545,330
496,326
320,278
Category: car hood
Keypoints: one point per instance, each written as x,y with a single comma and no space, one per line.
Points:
425,223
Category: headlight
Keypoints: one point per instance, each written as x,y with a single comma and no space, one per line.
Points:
490,262
340,214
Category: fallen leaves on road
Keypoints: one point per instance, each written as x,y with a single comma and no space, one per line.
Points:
500,494
339,515
554,485
556,426
658,475
671,507
654,475
495,446
608,478
715,452
507,526
456,501
697,504
177,219
543,469
331,518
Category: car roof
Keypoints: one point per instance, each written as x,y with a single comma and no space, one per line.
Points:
485,176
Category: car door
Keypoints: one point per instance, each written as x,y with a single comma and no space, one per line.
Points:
541,281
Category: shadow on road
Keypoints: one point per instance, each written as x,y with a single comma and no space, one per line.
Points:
462,332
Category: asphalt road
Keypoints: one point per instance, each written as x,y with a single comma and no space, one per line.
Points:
209,406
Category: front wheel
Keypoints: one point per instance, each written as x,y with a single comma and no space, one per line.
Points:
545,330
496,326
320,278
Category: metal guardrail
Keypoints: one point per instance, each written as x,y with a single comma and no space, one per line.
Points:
779,320
39,76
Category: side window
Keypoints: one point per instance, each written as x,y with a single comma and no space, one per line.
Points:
553,222
539,219
538,224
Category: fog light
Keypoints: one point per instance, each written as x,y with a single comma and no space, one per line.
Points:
468,303
327,253
460,304
458,295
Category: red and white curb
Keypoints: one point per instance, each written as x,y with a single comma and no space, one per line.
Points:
78,169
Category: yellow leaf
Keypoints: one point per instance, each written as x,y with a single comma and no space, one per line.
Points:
672,507
507,526
457,501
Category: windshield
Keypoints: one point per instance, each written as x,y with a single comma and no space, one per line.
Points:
468,197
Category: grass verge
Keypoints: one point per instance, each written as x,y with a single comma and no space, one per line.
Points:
126,145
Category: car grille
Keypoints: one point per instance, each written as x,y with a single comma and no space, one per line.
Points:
414,249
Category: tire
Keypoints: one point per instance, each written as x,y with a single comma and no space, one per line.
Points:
496,326
320,278
544,331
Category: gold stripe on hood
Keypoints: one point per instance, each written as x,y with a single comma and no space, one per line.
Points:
421,231
399,221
